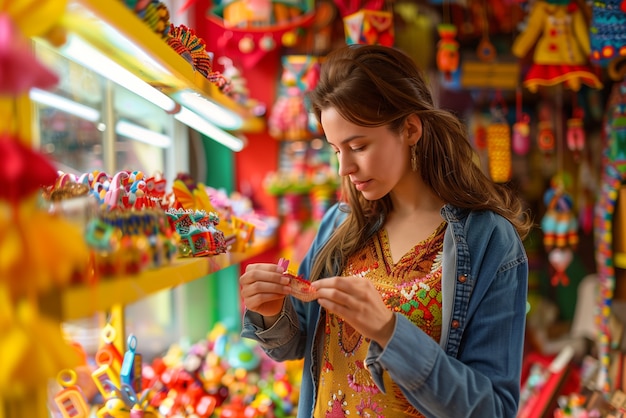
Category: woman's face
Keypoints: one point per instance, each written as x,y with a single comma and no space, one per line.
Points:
375,159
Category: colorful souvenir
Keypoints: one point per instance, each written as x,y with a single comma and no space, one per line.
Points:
613,176
575,133
447,50
560,228
520,142
373,27
546,141
130,373
498,138
557,33
193,48
291,118
606,31
70,400
300,287
247,31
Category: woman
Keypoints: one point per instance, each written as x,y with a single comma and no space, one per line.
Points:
420,276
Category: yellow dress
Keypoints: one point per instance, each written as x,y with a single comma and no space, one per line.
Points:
558,37
411,287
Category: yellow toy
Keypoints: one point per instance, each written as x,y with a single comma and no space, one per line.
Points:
70,400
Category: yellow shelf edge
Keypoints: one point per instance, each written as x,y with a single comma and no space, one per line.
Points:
82,301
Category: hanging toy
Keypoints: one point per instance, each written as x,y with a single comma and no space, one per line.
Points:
447,50
586,197
521,135
557,36
560,228
576,133
130,373
70,400
520,141
499,143
545,135
560,259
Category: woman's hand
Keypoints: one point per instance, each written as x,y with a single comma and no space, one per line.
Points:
263,288
358,302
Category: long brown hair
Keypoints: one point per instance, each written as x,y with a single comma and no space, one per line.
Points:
372,86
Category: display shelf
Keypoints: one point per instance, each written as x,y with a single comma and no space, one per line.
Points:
82,301
114,30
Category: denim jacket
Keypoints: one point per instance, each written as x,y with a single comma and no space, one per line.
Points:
475,369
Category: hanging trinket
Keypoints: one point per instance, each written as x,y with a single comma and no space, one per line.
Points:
447,50
560,228
521,135
521,128
545,135
498,135
576,133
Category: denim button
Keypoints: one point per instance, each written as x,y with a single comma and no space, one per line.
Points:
455,324
462,278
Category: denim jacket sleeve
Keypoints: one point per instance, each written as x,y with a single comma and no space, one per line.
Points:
482,378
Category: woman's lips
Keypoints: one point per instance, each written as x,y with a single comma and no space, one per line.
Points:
360,185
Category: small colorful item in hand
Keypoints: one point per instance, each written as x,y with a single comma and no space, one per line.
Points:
300,287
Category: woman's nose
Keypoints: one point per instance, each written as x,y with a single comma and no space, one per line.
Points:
346,165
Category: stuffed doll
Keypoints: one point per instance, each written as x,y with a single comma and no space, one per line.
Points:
558,31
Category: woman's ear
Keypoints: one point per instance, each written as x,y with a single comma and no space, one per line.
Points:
413,128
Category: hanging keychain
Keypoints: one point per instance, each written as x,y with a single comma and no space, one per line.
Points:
576,132
521,128
70,400
131,366
545,137
108,353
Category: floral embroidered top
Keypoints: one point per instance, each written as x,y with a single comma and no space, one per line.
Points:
411,287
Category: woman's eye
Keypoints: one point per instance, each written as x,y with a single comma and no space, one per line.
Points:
357,149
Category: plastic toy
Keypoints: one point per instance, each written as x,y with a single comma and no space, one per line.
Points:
130,373
70,400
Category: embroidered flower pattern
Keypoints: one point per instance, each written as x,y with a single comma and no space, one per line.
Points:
336,406
360,379
369,409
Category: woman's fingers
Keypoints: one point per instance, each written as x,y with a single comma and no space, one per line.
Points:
263,288
358,302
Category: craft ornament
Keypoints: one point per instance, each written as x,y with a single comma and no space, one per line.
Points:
557,33
300,287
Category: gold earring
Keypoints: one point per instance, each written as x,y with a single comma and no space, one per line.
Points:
412,150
